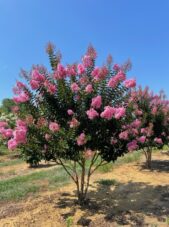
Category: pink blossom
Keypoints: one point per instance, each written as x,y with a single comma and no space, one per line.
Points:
20,85
70,112
41,122
89,88
12,144
92,113
71,70
154,110
60,73
91,52
116,67
158,140
136,123
23,97
130,83
124,135
51,88
87,61
132,145
83,80
81,140
54,127
119,112
108,112
142,139
95,72
138,112
88,153
80,69
96,102
34,84
37,76
20,135
99,73
143,130
3,124
74,123
21,123
120,76
134,131
75,87
8,133
47,137
113,82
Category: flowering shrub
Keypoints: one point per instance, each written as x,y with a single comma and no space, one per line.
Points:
149,128
74,113
6,121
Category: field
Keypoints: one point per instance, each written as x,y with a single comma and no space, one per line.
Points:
121,194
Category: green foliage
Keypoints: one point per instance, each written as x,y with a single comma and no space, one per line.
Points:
6,106
69,221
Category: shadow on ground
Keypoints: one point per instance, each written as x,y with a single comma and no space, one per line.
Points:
124,204
158,165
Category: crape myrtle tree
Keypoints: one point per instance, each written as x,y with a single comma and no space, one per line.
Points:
74,115
150,128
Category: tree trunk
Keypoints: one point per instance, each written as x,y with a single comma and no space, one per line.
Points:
81,190
148,155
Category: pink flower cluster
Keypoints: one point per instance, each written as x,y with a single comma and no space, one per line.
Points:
16,136
132,145
36,79
130,83
74,123
80,69
110,112
23,97
75,87
99,73
51,88
60,72
89,88
54,126
81,140
158,140
96,102
115,80
92,113
87,61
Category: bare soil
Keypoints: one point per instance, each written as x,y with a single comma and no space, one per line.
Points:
140,198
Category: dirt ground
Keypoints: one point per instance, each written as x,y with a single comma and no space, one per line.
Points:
140,198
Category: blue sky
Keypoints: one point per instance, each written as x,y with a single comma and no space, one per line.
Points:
135,29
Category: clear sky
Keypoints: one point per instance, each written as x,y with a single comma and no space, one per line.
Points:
135,29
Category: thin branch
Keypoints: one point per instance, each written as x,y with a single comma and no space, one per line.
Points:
67,171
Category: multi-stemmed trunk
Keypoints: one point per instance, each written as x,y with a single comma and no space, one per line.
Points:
81,173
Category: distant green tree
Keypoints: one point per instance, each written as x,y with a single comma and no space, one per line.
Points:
7,105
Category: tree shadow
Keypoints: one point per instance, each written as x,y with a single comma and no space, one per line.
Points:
43,165
158,166
124,204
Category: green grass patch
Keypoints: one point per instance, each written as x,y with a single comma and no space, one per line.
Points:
127,158
107,182
20,186
11,162
4,150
